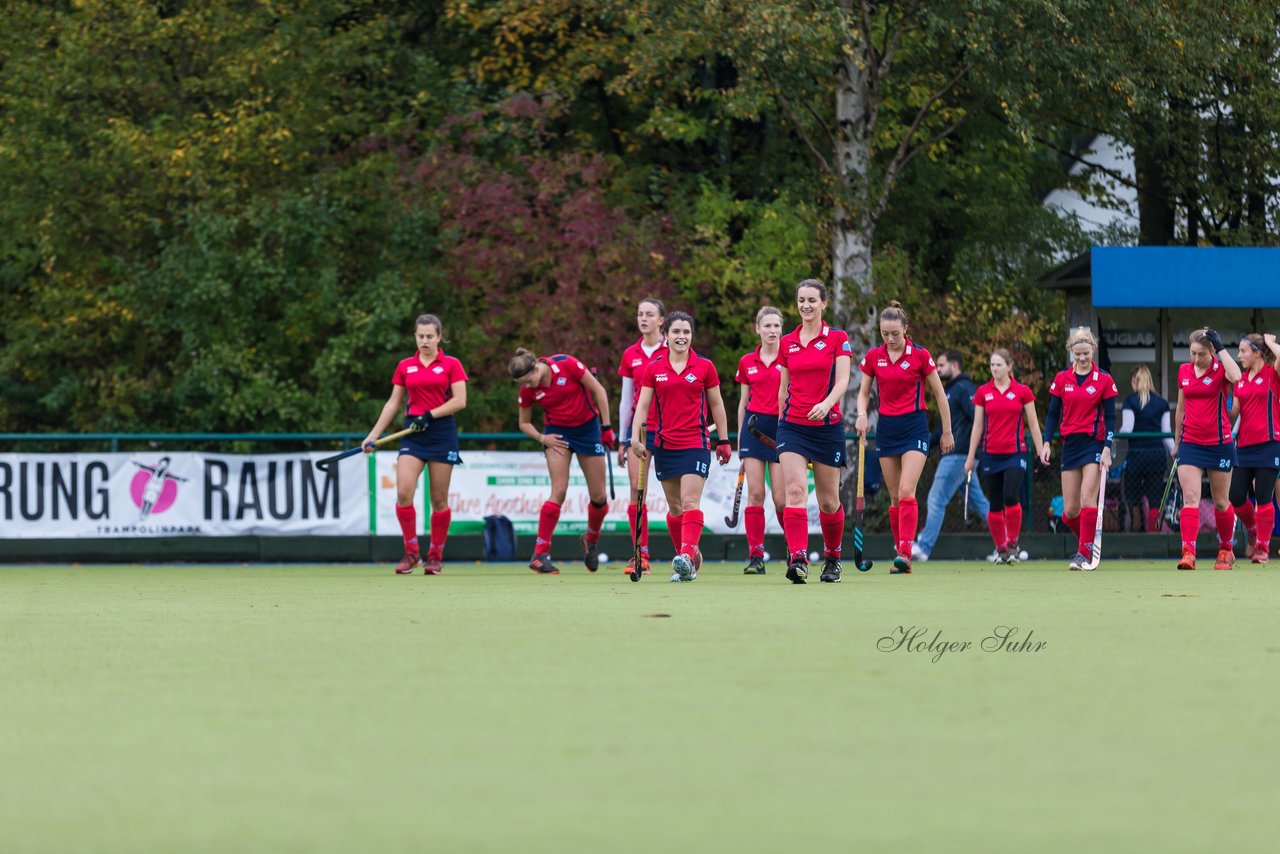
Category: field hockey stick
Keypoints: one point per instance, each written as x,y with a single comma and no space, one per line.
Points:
757,434
968,478
1095,555
638,568
327,463
732,519
612,495
859,506
1168,486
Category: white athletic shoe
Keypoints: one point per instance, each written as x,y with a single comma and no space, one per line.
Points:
682,566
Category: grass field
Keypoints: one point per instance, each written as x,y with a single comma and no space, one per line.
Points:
341,708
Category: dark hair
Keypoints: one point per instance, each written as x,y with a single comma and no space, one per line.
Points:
430,320
656,303
895,312
1258,343
816,285
673,317
521,363
953,356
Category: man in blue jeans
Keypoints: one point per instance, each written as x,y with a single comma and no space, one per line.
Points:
948,478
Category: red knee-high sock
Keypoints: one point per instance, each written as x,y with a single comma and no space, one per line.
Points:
595,520
439,531
407,516
832,532
895,514
1225,520
691,530
1012,523
675,528
1073,524
1245,513
908,519
547,518
996,522
1189,526
1266,523
1088,523
755,530
795,524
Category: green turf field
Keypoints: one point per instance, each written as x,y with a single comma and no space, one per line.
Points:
341,708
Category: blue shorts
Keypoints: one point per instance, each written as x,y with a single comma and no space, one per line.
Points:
437,444
996,463
897,434
669,464
1080,450
1263,455
750,446
1208,457
821,444
584,440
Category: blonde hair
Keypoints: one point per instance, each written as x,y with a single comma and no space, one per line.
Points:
1199,337
1004,354
765,312
895,312
1140,379
521,363
1082,335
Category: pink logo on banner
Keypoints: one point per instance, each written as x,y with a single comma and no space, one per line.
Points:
153,489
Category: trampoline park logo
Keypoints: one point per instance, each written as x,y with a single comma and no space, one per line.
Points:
153,489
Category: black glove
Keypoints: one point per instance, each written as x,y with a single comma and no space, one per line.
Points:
423,421
1215,339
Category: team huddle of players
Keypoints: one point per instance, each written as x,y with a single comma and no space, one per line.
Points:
790,424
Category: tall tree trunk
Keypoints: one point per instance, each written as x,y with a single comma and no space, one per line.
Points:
1157,214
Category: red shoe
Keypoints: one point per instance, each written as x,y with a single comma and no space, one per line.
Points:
901,564
631,565
1249,547
433,565
1226,559
1260,555
408,563
1188,558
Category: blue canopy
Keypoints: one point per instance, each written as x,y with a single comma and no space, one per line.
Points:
1185,277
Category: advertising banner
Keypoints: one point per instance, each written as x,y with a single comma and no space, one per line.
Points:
165,494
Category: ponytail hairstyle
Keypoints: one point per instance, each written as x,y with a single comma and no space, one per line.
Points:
817,285
765,312
895,312
1006,355
1140,379
673,317
1082,335
430,320
1258,343
521,363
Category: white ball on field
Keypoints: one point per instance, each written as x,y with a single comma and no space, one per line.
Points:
766,555
1022,555
604,558
813,557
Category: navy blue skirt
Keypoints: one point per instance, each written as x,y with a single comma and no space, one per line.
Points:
669,464
1208,457
822,444
897,434
584,440
1263,455
996,463
1080,450
750,446
437,444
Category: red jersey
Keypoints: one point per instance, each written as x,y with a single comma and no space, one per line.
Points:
428,384
678,411
900,382
634,358
761,380
1204,405
1259,407
566,402
1082,401
811,372
1003,424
